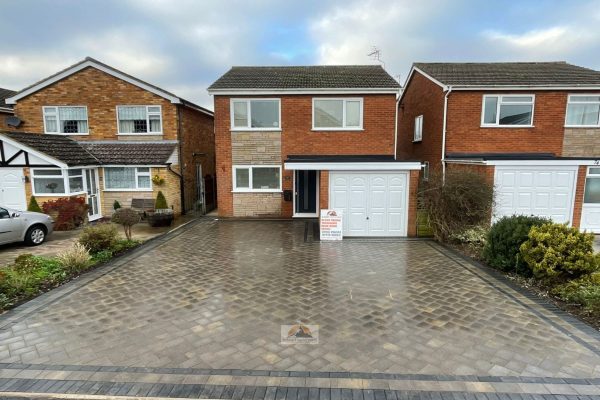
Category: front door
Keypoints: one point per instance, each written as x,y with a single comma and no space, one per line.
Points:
590,213
93,201
306,194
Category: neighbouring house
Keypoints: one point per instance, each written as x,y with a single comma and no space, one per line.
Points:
533,128
93,131
291,141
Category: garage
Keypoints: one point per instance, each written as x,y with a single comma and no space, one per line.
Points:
545,191
373,203
12,188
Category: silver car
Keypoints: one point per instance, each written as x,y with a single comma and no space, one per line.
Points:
24,226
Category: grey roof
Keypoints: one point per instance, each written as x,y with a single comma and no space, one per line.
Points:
80,153
4,94
544,74
307,77
131,153
59,147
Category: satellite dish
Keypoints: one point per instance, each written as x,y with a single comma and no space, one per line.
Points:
13,121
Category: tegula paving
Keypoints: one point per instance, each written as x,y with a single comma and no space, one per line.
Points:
205,306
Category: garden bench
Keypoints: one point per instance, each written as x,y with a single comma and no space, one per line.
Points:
142,205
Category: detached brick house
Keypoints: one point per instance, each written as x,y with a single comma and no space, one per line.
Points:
96,132
291,141
532,128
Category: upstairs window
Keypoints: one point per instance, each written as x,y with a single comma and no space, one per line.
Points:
583,110
506,111
139,120
65,120
255,114
418,132
337,114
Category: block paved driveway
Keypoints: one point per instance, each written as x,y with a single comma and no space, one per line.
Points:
215,294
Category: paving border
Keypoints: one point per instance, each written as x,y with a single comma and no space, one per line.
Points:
42,301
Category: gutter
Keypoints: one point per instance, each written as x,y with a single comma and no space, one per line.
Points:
445,124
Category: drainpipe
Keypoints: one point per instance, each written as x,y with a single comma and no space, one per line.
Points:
396,129
448,91
180,156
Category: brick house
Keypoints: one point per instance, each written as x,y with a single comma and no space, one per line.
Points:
291,141
532,128
91,130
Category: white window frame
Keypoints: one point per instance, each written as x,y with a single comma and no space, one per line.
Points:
345,102
59,125
249,111
589,175
581,102
500,103
65,177
147,133
249,189
137,173
418,129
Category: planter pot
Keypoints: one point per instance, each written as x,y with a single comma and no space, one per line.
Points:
158,218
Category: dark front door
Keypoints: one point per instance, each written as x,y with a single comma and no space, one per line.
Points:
306,193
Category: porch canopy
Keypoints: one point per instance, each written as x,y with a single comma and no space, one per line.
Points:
367,162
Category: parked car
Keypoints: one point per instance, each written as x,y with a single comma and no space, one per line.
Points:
24,226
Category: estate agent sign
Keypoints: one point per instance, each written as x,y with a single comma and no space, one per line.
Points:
331,225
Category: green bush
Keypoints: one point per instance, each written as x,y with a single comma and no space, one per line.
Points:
461,201
558,253
33,205
116,205
161,201
504,240
29,274
99,237
584,291
473,238
102,256
122,245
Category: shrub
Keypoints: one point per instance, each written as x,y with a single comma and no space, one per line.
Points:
558,253
473,238
68,212
126,217
504,241
116,205
33,205
584,291
75,259
102,256
161,201
463,201
99,237
122,245
29,274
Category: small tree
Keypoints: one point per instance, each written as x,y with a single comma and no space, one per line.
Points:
126,217
33,205
116,205
463,200
161,201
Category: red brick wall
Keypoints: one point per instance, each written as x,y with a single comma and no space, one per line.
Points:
297,137
412,203
465,134
579,192
421,97
101,93
196,136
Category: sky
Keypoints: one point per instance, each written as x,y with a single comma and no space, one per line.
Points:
185,45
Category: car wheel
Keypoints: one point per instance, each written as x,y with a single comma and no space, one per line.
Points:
35,235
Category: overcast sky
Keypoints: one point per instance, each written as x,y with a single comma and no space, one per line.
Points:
183,46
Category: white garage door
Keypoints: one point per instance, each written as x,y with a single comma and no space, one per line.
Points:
373,203
12,188
543,191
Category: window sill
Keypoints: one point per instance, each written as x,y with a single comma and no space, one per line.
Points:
127,190
141,134
507,126
417,141
66,134
257,191
337,130
256,130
